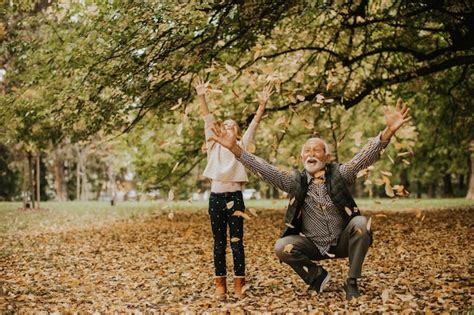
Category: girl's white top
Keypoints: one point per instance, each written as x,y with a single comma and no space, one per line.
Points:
227,174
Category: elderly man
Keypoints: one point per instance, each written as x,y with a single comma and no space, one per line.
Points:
322,220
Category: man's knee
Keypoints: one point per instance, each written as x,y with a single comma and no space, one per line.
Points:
281,249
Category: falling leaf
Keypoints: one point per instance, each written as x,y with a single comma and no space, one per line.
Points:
418,213
288,247
329,100
175,106
348,211
223,79
390,158
253,212
251,148
292,200
179,129
239,213
230,204
171,215
329,85
280,121
300,97
230,69
319,174
291,226
306,269
235,239
389,191
235,94
403,153
380,215
369,224
406,162
320,98
175,167
330,255
359,231
386,173
170,195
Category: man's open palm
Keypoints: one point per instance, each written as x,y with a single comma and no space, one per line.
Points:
396,118
227,138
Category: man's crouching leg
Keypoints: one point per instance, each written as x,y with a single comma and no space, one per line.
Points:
298,252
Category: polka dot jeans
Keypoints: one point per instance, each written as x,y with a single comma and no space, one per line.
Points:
221,209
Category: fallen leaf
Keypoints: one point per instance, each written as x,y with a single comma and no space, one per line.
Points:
170,195
171,215
384,296
288,247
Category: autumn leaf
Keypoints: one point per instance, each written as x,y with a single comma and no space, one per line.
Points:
179,129
292,200
188,232
369,224
171,215
170,195
239,213
389,191
235,239
348,211
230,69
386,173
230,204
288,247
384,296
175,167
253,212
319,174
306,269
291,226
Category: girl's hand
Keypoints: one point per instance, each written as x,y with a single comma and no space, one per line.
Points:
265,94
201,86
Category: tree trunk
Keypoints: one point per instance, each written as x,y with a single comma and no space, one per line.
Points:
432,190
38,182
25,184
59,182
447,186
78,180
470,191
31,185
113,184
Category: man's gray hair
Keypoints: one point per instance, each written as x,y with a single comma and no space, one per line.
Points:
327,149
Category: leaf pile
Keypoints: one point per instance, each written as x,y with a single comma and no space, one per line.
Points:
159,264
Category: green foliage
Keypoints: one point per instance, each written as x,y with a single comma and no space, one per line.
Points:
84,72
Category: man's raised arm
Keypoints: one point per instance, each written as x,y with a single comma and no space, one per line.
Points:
371,151
280,179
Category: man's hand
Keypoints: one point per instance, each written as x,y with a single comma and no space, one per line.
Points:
227,138
395,119
201,86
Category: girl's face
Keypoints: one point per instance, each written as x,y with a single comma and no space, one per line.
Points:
230,124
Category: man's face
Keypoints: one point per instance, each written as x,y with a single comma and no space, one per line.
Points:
314,155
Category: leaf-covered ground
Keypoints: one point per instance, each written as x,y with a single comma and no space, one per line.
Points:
419,262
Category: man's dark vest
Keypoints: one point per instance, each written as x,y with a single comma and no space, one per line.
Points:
338,192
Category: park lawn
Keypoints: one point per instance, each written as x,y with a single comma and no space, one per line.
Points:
57,216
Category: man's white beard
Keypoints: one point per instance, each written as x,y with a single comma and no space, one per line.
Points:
312,165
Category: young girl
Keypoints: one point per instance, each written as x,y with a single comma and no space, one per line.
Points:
228,177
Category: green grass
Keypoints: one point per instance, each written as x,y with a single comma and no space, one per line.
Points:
69,215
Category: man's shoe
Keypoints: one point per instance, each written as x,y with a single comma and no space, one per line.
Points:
350,287
320,282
